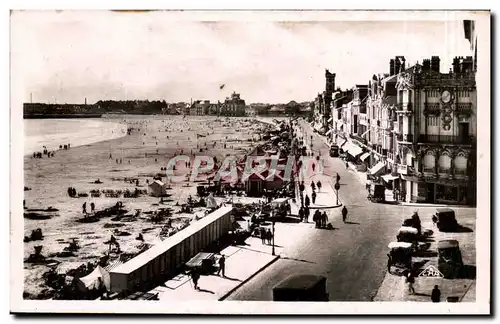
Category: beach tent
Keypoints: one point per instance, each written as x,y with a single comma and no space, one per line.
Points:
95,280
157,188
211,203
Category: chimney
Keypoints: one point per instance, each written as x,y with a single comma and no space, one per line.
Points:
456,65
426,65
391,67
435,64
397,66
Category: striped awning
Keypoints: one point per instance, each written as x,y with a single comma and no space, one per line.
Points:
377,168
364,156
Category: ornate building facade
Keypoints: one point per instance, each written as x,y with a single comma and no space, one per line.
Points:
233,106
436,132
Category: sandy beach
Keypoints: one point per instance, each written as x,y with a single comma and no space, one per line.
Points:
149,146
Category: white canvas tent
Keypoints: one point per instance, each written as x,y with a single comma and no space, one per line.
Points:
157,188
95,280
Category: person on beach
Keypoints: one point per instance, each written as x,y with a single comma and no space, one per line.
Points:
84,208
92,207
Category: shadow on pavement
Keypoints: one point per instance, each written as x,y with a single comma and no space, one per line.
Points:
459,229
206,291
232,279
355,223
299,260
468,272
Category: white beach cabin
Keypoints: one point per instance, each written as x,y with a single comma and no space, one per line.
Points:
157,188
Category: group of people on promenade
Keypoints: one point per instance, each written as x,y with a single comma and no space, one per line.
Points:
266,236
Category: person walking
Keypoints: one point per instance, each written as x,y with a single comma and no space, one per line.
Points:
92,207
344,214
324,219
301,213
307,212
319,186
313,186
84,208
313,196
307,201
436,294
263,235
338,178
222,266
269,236
410,280
195,276
346,165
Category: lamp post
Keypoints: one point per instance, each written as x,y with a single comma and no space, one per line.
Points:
273,252
337,187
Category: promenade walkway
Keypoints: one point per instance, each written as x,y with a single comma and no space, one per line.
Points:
242,263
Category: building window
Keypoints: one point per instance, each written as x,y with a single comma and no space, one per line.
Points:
429,163
444,163
460,164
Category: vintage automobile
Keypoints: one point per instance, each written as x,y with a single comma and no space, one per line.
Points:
400,254
334,150
450,262
445,219
301,288
376,193
407,234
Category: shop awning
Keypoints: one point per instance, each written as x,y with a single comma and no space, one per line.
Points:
389,177
354,150
364,156
377,168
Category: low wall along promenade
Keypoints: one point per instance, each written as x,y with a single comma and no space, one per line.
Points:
164,258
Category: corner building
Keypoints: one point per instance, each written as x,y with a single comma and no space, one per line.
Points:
436,132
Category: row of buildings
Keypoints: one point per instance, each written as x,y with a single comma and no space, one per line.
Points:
413,128
233,106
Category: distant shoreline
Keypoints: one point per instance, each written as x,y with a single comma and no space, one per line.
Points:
60,116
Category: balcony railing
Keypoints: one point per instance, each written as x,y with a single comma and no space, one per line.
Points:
404,107
432,108
446,139
404,138
464,108
359,138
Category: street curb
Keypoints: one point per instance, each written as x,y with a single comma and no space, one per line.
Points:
248,279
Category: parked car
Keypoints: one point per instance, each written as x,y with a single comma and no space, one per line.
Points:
334,150
301,288
450,262
446,221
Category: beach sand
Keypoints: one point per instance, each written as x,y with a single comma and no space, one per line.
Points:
158,137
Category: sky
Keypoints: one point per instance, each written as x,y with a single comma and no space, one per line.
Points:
65,57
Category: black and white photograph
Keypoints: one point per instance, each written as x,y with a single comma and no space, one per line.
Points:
236,162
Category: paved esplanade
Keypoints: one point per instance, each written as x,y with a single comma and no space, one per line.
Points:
353,256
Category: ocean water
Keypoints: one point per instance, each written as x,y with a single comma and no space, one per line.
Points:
54,132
